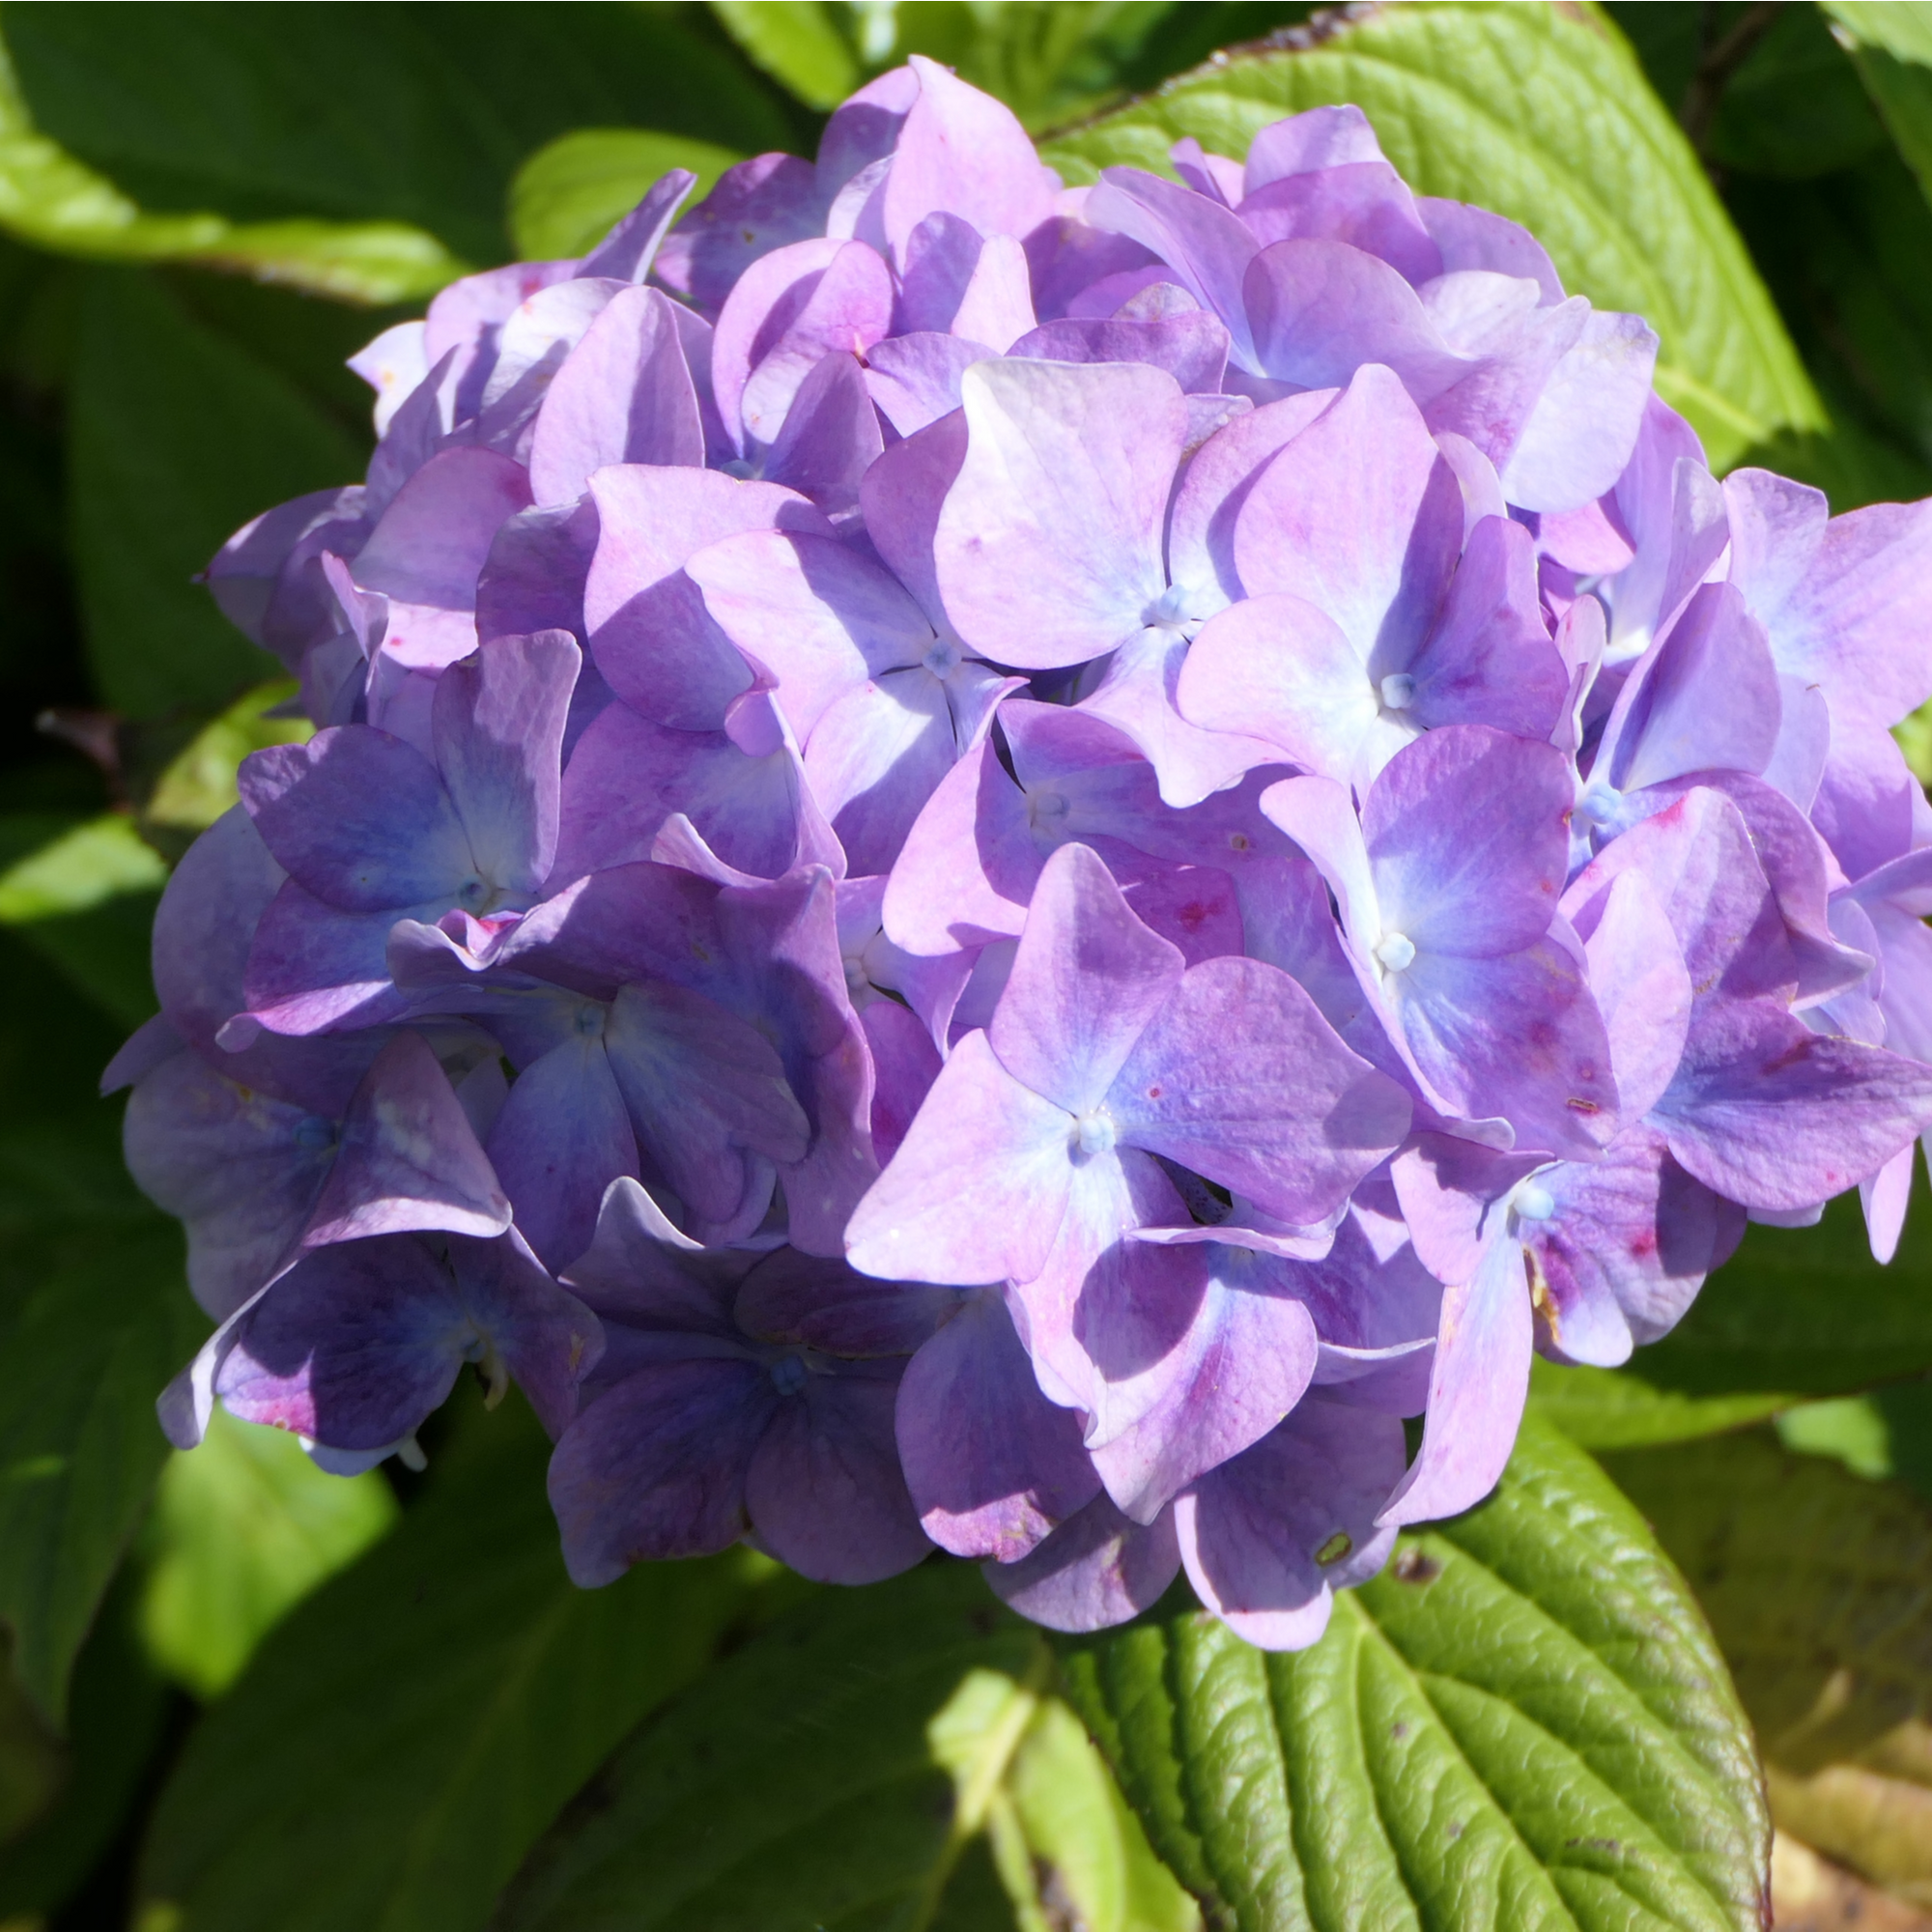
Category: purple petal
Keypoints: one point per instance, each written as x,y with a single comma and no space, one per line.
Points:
1641,986
829,439
433,539
656,1467
992,1466
1047,549
824,1489
1192,346
1364,203
206,923
754,207
1096,1569
627,252
915,378
1087,979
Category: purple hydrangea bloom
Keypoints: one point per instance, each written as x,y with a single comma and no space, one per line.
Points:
1003,868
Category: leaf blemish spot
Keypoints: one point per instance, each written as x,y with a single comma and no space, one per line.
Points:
1414,1567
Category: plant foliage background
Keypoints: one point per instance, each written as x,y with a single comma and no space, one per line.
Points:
242,1695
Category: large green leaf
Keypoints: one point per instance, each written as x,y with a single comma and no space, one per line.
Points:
369,112
567,194
397,1743
1542,113
1805,1311
1819,1586
798,43
54,201
1622,1408
243,1529
836,1774
175,437
1521,1723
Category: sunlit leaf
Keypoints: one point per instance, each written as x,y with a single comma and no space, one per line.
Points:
1620,1409
243,1529
198,784
1542,113
567,194
796,42
1523,1722
399,1739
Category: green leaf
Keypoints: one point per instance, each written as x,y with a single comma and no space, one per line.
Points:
1523,1722
1903,28
1903,93
243,1529
1544,115
1805,1311
566,196
50,199
1817,1583
400,1740
829,1775
117,1720
1796,107
796,42
83,1354
1621,1409
175,437
417,115
197,785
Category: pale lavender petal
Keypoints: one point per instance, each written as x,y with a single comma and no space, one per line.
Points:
829,439
1047,549
433,539
752,207
627,252
1641,987
1192,346
1364,203
1087,979
969,863
915,378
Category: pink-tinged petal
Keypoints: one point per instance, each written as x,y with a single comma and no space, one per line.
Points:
1699,859
1364,521
1047,549
497,719
1087,979
824,1489
649,632
1215,485
1775,1116
992,1466
625,395
1276,667
407,1158
1216,1388
1477,1390
969,865
846,307
703,1089
1192,346
1467,831
1885,1199
979,1186
829,439
1208,246
1240,1078
1255,1533
962,152
358,818
915,378
1194,907
1704,697
1096,1569
656,1467
1321,310
1641,984
1624,1250
1518,1035
434,537
1364,203
819,617
563,1137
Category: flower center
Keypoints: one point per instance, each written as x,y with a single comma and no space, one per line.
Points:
1601,803
314,1134
1395,951
1397,691
788,1374
1094,1131
942,660
1534,1202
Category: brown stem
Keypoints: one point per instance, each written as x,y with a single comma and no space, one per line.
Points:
1718,62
